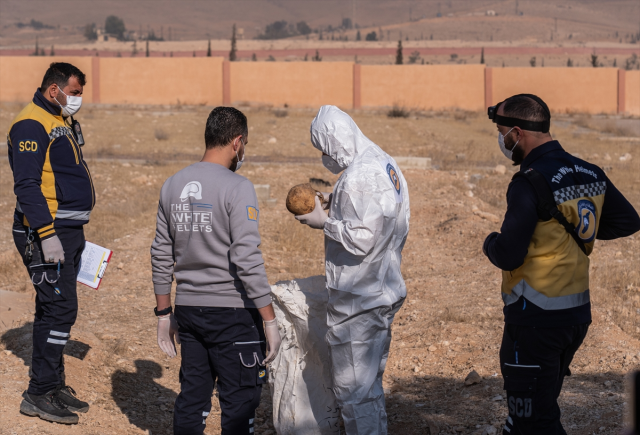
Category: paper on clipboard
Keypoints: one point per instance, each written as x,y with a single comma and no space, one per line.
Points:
95,259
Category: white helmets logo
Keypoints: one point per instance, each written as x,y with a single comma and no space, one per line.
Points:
193,188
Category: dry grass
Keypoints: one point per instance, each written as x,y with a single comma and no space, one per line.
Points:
398,112
296,245
616,288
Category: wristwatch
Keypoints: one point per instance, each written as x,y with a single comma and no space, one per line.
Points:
164,312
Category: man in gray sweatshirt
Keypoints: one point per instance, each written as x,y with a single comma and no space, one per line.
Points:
207,237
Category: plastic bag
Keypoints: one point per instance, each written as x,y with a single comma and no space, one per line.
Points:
300,376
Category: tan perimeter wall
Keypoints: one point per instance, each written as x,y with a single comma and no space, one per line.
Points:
161,81
202,81
297,84
424,87
20,76
632,93
589,90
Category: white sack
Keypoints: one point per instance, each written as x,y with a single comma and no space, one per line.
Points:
300,376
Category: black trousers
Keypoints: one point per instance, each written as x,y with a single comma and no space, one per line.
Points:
534,362
223,344
56,304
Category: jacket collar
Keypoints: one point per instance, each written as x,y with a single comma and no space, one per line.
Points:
540,151
40,101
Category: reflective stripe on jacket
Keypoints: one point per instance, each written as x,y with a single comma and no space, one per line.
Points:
52,182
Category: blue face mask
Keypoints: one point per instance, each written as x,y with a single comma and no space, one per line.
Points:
238,161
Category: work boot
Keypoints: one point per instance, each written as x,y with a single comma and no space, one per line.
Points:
67,395
48,407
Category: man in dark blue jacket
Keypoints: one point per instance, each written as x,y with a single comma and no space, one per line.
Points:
557,205
55,196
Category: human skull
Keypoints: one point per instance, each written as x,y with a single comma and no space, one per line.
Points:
301,199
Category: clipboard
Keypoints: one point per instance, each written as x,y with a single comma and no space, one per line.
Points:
95,260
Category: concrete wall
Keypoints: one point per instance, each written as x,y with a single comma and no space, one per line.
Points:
588,90
425,87
632,93
212,81
297,84
20,76
161,80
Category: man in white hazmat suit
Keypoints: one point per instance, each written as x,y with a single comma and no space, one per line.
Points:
365,231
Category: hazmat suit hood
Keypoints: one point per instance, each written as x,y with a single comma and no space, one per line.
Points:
334,133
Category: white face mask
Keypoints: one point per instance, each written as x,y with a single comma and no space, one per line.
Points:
507,153
73,104
240,162
331,165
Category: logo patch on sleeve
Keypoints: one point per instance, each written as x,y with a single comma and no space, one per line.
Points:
587,226
28,146
262,374
389,167
252,213
393,176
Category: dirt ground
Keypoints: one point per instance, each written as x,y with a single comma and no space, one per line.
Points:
450,324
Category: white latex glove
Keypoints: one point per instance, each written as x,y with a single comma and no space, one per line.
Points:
316,218
52,250
273,340
167,331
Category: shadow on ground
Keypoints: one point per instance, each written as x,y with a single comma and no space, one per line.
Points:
426,404
416,405
20,342
147,404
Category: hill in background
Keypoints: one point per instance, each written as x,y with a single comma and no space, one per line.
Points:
532,21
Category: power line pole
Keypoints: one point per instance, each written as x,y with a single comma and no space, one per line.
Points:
516,7
354,12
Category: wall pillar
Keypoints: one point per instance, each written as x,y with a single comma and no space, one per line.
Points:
226,82
488,87
622,85
95,77
357,87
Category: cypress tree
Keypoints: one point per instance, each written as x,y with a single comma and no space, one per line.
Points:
233,54
399,53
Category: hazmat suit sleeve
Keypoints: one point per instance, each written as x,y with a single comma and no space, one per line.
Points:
357,216
162,255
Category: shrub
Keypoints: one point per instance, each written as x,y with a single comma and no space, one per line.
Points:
398,112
